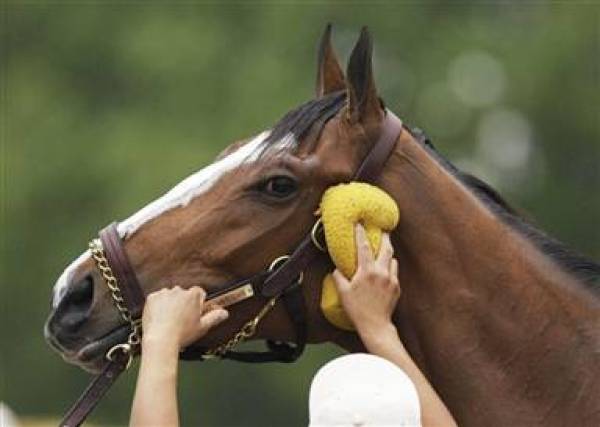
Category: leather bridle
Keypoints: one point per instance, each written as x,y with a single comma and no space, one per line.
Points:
281,281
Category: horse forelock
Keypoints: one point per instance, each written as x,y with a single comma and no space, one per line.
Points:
290,131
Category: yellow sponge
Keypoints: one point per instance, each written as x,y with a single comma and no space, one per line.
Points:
341,208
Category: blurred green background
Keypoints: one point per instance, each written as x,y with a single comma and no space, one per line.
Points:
106,105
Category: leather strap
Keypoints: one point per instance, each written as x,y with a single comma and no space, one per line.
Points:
124,273
295,305
372,165
94,392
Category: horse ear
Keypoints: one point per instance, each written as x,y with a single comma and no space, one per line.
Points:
363,102
330,77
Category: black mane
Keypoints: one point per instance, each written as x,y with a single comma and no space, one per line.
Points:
313,115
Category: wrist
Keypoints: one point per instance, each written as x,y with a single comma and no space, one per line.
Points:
375,335
159,361
160,343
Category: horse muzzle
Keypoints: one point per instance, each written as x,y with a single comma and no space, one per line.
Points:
67,328
88,354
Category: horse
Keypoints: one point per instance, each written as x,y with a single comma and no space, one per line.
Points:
502,319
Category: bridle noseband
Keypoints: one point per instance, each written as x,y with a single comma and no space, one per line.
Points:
135,322
280,281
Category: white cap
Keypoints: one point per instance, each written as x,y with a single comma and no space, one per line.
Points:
7,416
363,390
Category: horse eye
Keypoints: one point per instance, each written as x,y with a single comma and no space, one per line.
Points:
279,187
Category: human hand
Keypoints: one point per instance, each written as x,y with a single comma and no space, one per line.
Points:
370,297
179,316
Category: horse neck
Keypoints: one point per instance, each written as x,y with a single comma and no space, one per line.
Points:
504,335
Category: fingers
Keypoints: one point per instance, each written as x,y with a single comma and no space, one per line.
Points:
213,318
394,270
341,283
199,293
386,251
363,249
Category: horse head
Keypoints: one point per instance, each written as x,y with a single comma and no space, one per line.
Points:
232,218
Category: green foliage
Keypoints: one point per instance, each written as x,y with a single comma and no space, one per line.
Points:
106,106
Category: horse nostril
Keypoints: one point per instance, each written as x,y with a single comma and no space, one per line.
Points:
76,304
82,292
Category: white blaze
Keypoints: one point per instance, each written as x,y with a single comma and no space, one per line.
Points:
191,187
65,278
180,195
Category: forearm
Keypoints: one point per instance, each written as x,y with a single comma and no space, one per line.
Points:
384,342
155,401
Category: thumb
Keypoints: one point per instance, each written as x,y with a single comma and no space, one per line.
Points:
213,318
341,283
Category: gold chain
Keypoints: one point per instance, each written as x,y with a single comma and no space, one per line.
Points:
109,277
247,331
135,337
249,328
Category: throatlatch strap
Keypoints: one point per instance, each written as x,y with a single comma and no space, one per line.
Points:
295,305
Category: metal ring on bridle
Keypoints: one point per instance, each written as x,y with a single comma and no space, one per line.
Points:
318,228
279,261
124,348
248,329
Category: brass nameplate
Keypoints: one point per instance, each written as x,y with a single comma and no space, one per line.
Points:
234,296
